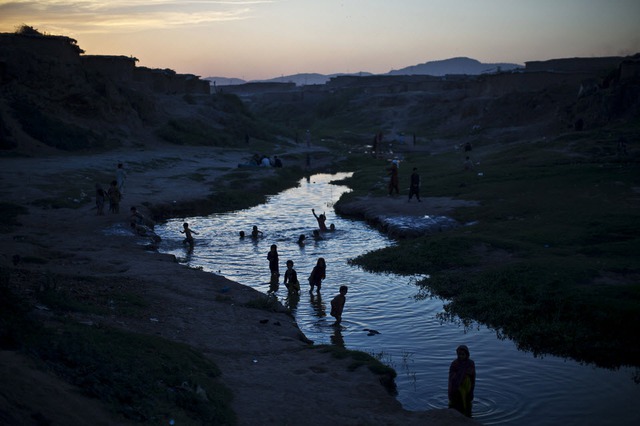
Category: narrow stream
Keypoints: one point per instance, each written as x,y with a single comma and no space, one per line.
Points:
512,386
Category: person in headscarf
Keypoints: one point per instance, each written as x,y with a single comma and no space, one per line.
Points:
462,381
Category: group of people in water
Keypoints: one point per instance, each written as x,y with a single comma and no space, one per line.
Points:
291,282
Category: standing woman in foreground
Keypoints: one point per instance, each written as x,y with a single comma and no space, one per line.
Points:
462,381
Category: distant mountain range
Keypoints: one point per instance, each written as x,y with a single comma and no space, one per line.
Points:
460,65
454,66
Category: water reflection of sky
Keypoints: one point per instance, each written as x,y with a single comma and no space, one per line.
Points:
512,386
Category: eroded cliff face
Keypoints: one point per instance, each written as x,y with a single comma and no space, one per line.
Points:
54,98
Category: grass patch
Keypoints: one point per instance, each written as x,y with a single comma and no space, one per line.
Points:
359,359
144,378
269,304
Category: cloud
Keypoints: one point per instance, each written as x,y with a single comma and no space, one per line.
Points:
90,16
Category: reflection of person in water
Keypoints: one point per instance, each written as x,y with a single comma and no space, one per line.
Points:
336,337
321,220
462,381
318,306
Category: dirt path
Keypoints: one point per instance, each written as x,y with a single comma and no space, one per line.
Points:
275,377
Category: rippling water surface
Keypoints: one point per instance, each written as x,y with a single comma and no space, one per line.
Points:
512,386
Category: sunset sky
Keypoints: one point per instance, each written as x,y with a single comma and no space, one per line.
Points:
271,38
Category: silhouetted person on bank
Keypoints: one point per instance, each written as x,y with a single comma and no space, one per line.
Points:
101,195
393,179
414,185
114,196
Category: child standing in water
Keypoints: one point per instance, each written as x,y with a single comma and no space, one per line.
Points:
188,237
337,304
291,278
318,274
272,257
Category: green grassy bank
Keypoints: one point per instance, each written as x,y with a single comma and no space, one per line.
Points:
549,255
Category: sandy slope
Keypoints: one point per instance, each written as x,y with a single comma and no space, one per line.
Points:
275,378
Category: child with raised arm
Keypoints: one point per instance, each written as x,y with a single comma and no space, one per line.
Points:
321,220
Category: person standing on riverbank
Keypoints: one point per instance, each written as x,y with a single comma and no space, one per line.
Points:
393,178
337,304
414,185
121,176
462,381
318,274
100,197
114,197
